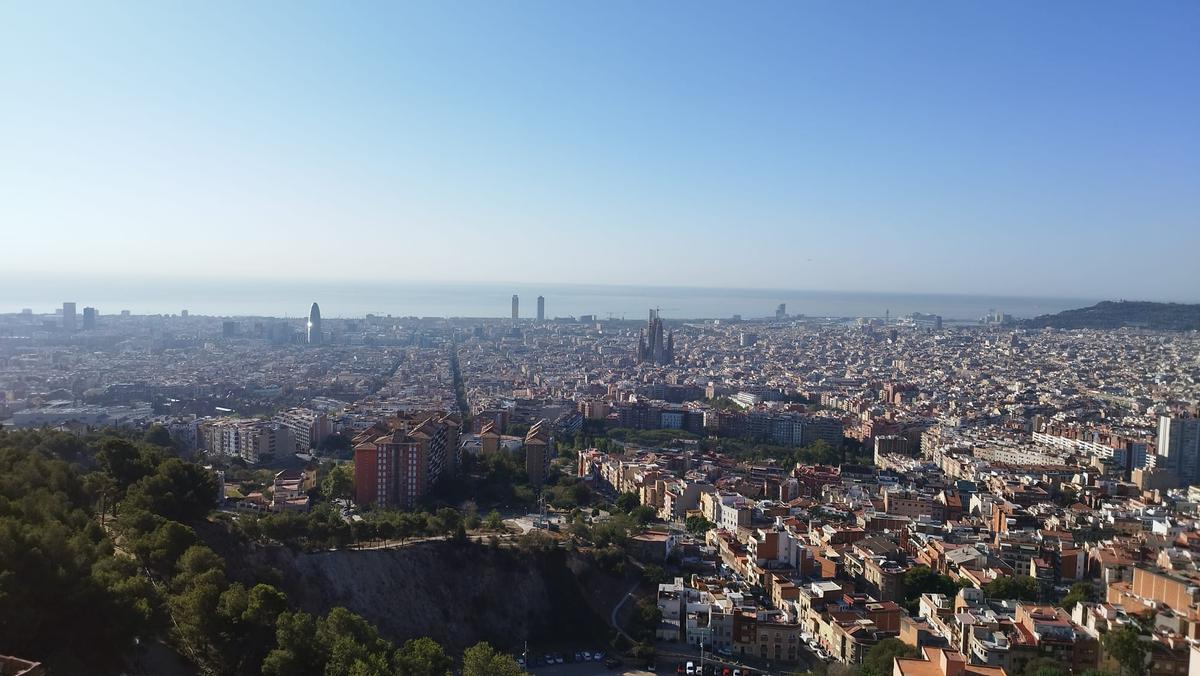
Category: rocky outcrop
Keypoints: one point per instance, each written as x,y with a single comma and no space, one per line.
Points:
456,593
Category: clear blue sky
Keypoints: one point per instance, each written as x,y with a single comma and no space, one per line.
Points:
1040,148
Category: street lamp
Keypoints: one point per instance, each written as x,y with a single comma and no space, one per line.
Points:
704,633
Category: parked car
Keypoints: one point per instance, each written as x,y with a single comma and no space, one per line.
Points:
690,668
612,663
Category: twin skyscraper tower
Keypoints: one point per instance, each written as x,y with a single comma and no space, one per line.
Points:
516,308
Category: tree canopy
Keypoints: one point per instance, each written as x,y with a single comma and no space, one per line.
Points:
1126,647
1018,587
878,660
483,660
920,580
81,596
1080,592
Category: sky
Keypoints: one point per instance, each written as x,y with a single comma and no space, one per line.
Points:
1043,149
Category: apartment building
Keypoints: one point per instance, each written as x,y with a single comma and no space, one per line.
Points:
538,449
397,461
309,428
247,439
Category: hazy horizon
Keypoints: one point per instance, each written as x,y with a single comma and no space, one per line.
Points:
1018,149
485,300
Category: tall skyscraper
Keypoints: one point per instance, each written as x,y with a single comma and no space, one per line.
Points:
68,313
541,308
89,318
781,311
516,308
655,345
314,325
1179,447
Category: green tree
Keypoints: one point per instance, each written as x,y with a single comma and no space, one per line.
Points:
493,521
646,618
878,660
125,462
296,652
471,519
157,435
653,574
643,514
422,657
196,620
819,452
161,548
483,660
1125,646
627,502
245,623
58,576
1081,592
177,490
352,644
643,651
1045,666
104,492
920,580
698,525
447,520
1018,587
338,483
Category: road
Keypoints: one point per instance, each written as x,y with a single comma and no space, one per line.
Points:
589,669
617,609
670,654
396,544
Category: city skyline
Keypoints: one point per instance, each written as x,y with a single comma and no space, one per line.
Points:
484,301
951,147
700,338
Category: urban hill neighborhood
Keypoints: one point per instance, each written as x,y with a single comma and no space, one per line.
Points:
790,494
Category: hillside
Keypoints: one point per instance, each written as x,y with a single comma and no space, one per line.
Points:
456,593
1117,314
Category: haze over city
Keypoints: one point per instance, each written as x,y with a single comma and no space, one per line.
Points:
1028,149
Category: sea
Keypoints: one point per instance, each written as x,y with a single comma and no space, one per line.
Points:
402,299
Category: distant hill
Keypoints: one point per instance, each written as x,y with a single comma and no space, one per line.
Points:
1117,314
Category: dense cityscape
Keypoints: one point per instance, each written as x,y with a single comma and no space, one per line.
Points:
787,494
585,338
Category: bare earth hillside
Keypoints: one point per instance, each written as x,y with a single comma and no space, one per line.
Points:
456,593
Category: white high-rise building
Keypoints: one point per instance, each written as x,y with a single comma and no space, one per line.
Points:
1179,447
